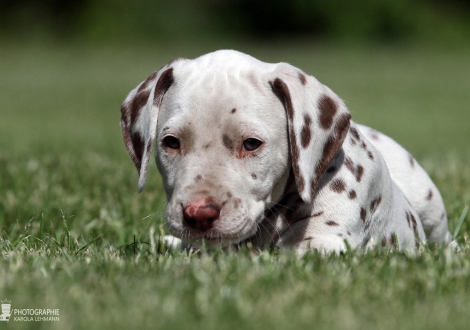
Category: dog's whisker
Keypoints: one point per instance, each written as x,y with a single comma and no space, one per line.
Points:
284,206
283,218
274,229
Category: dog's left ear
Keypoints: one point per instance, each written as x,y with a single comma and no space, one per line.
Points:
318,122
139,114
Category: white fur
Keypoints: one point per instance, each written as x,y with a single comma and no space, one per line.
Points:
318,180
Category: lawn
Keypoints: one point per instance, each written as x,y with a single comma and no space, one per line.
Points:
70,212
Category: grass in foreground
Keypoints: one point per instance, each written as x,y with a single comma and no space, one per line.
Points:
102,287
81,260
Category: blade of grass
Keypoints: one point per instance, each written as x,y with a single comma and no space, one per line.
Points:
88,244
459,224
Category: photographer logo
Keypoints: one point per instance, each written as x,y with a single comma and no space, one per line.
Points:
27,314
6,309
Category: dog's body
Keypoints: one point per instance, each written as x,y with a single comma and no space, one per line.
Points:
264,152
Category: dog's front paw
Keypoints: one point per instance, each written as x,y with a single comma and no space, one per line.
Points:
173,243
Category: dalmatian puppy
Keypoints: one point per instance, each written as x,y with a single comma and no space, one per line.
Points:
264,153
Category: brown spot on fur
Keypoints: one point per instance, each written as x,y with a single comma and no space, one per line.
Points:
375,203
308,238
349,233
332,146
138,148
340,235
353,142
358,171
328,109
207,145
299,179
163,84
369,153
342,126
281,90
306,133
317,214
147,82
126,113
228,142
408,219
384,241
393,240
149,146
338,185
429,197
198,178
355,133
352,194
412,160
303,79
137,104
254,176
367,226
233,110
374,135
332,223
349,165
133,142
415,224
363,214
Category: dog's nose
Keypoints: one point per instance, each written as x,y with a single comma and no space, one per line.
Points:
201,214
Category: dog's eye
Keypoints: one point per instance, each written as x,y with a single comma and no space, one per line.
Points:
171,142
251,144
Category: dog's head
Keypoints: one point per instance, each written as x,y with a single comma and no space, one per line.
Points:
227,130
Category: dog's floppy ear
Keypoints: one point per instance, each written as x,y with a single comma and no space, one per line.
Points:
318,122
139,114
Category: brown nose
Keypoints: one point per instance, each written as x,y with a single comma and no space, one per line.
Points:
201,214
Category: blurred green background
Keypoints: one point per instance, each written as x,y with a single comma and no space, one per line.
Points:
402,66
156,20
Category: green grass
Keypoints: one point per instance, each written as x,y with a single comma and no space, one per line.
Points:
69,208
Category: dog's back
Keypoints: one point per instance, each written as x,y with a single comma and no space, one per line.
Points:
415,183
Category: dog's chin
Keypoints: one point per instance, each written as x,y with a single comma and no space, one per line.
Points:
213,238
213,243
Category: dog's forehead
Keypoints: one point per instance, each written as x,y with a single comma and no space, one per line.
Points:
222,72
228,61
220,84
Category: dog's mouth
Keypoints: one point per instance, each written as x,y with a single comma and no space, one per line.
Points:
214,236
216,240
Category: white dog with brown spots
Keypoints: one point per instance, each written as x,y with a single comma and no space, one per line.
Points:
258,152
